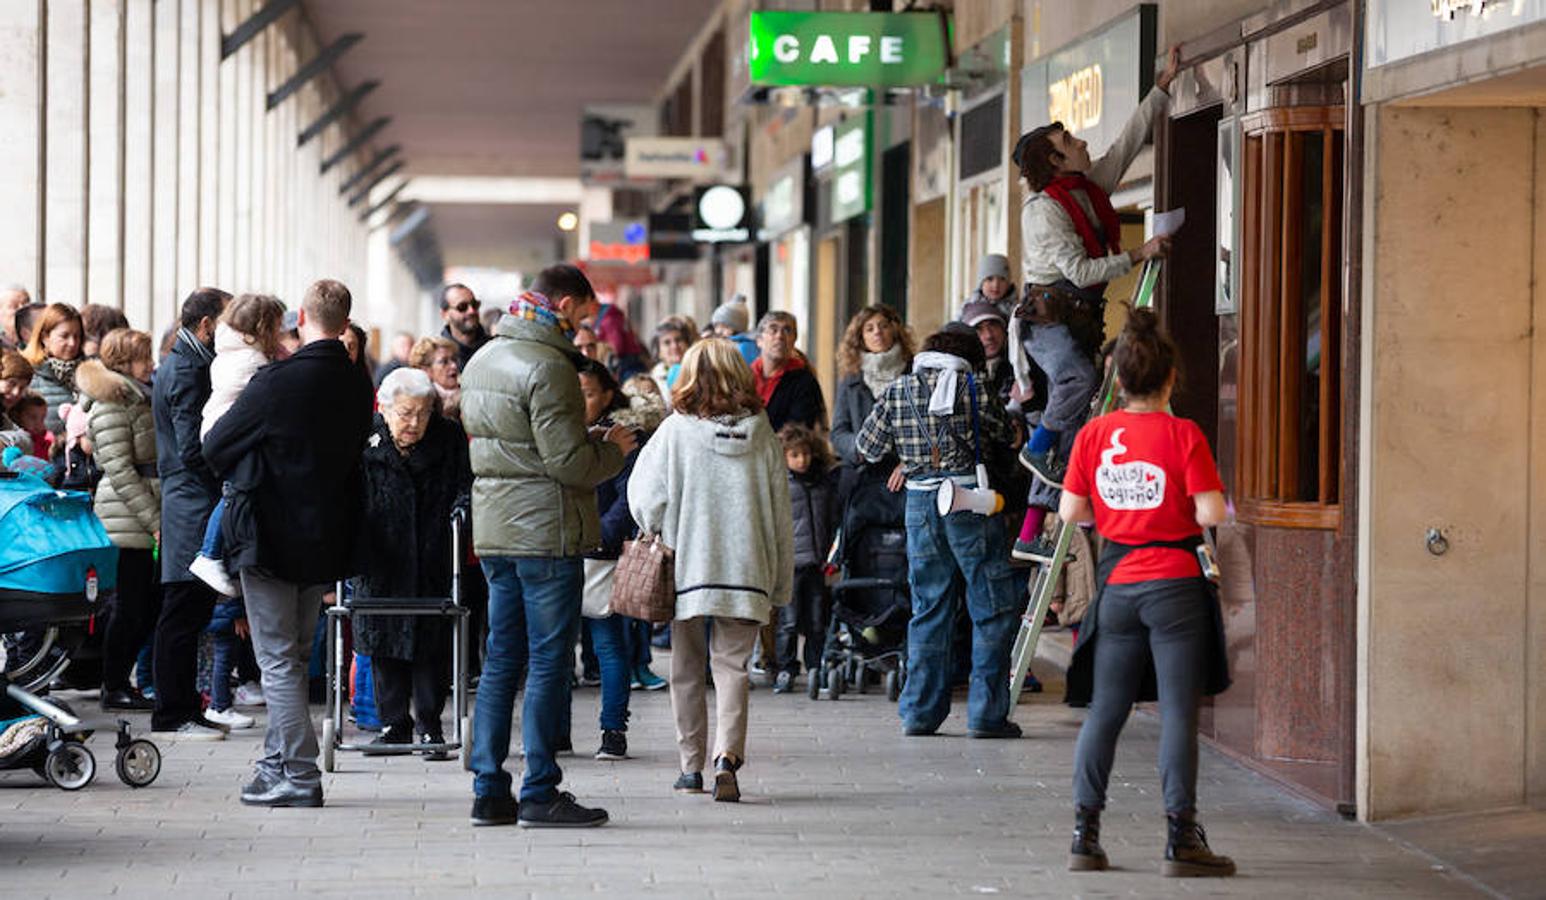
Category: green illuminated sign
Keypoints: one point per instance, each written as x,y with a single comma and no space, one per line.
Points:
851,168
846,49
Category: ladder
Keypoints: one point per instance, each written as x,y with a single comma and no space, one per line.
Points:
1045,580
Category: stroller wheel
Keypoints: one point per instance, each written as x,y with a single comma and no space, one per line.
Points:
893,685
835,684
70,766
813,683
138,763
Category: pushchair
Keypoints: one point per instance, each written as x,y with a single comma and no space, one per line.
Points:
871,603
55,561
350,604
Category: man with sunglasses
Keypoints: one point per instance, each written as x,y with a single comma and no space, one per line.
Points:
459,310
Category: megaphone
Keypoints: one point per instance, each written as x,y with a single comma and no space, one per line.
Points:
982,500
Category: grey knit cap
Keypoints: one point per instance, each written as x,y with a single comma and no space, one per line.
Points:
994,264
734,313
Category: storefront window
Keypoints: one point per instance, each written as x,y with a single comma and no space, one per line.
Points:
1291,257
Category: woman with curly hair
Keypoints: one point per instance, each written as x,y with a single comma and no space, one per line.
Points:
877,347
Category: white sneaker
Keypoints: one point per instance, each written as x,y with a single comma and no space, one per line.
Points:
249,694
212,572
230,718
191,731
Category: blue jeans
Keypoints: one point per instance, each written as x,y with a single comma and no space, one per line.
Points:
533,614
946,556
610,638
214,542
225,651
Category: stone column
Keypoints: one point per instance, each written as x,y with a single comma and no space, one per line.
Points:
65,236
138,173
105,133
21,134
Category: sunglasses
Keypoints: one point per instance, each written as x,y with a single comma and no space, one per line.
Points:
465,305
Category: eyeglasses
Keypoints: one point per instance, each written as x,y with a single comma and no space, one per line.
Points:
465,305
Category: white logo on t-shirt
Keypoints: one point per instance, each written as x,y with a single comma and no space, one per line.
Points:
1128,485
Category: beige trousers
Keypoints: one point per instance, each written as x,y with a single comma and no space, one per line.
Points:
732,644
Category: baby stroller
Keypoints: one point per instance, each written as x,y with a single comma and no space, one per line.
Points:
55,560
871,603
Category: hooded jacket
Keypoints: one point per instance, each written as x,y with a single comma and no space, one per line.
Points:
535,468
236,361
123,430
716,491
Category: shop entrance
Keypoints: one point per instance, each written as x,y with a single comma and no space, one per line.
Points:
1187,305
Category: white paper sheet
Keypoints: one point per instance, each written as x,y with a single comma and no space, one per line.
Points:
1168,223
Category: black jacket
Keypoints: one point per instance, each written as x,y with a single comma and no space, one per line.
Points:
406,535
305,419
849,410
797,399
813,501
465,351
188,488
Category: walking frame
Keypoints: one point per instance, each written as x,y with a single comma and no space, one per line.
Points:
345,608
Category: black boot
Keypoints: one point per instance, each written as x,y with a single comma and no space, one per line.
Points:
1187,854
1086,854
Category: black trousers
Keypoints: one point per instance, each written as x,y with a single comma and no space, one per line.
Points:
135,609
185,610
805,615
424,678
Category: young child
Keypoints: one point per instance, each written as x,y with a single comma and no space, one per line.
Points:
227,630
813,501
31,412
246,339
81,472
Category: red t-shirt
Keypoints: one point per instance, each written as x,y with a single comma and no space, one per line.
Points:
1140,471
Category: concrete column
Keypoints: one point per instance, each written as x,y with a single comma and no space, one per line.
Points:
105,202
166,158
189,107
21,157
228,122
65,236
213,212
139,133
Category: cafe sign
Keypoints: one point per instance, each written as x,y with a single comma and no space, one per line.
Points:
1093,85
843,49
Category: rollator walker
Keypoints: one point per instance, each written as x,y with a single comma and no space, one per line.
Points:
347,607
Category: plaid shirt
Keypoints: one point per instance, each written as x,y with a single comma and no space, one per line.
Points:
901,424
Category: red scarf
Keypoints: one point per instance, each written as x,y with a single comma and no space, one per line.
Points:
765,385
1061,189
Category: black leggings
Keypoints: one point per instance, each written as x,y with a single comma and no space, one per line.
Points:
132,617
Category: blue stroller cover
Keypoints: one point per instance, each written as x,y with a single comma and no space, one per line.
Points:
52,540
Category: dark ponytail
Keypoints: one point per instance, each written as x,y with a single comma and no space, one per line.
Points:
1145,356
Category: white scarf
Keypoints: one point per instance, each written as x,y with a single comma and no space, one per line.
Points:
943,401
1017,357
880,369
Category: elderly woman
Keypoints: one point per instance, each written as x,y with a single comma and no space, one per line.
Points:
712,484
128,499
416,472
440,359
672,338
54,351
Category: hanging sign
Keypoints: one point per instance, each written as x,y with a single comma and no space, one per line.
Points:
1095,84
1401,29
696,159
851,168
843,49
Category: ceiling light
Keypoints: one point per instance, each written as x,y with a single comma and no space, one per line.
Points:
568,222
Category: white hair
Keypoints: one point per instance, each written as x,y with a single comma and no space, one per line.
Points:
403,381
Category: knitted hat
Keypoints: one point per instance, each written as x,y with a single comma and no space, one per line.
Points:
75,423
993,265
981,311
733,313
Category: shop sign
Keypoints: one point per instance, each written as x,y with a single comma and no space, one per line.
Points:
843,49
1095,84
783,206
695,159
670,237
821,149
721,215
850,181
1401,29
624,241
604,133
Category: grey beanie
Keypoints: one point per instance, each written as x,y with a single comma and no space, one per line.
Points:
994,264
733,313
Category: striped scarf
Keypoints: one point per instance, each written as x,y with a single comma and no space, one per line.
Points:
535,307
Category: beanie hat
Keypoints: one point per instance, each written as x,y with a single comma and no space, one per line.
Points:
734,314
75,423
981,311
993,265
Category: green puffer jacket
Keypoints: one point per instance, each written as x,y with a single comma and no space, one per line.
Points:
123,435
535,468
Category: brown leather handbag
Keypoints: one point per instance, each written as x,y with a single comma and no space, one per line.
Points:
644,585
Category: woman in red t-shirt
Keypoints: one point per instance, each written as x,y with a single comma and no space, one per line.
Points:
1148,482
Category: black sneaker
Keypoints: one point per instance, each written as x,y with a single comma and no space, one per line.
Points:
1045,466
784,683
390,742
494,811
561,812
614,745
437,755
1040,550
689,783
1004,730
126,699
726,788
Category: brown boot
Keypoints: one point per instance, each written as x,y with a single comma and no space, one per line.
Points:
1086,854
1187,854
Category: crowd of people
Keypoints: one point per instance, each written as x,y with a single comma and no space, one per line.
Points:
263,456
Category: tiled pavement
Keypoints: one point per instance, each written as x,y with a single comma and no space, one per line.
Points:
838,804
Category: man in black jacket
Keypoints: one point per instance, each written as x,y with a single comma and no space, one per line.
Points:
785,382
459,310
188,493
299,428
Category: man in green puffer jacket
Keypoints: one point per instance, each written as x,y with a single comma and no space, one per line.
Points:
534,513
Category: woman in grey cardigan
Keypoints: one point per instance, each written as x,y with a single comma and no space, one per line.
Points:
712,484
